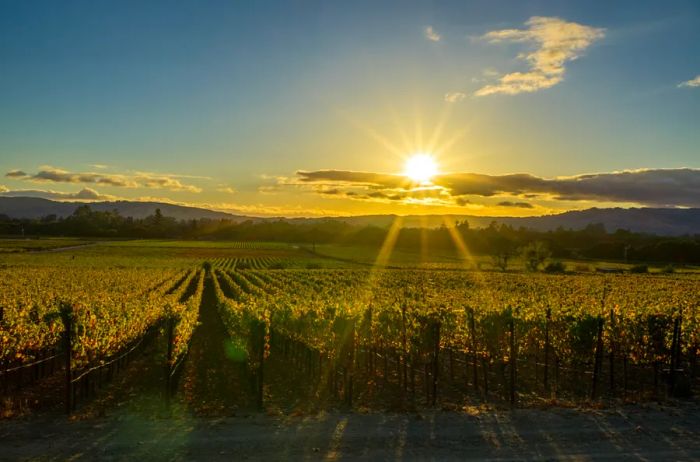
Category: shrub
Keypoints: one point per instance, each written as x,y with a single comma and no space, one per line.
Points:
555,267
534,255
639,269
669,269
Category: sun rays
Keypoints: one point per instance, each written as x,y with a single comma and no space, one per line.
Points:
423,155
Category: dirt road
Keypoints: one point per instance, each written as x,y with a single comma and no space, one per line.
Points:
632,433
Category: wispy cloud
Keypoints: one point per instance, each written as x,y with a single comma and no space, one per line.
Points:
226,189
454,97
695,82
678,187
431,34
557,41
49,174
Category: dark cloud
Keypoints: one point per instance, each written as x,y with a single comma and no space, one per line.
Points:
522,205
57,175
16,174
140,180
651,187
361,178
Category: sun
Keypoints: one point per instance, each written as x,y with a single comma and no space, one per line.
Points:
420,168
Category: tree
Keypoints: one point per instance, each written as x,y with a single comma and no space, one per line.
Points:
535,254
503,250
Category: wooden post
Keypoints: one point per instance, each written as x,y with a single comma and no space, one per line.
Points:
350,360
261,361
548,319
513,360
612,351
404,349
472,341
674,358
67,318
436,359
168,363
598,358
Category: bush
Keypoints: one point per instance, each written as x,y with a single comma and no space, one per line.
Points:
534,255
313,266
277,265
669,269
639,269
555,267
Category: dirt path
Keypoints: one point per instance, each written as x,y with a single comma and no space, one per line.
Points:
65,249
213,381
633,433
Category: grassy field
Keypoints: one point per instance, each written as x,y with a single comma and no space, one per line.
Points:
405,258
156,253
96,252
13,245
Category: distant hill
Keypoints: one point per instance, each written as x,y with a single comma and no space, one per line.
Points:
668,222
31,207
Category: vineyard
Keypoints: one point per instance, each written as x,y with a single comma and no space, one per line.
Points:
89,322
417,336
357,338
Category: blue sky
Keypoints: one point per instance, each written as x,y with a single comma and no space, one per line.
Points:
233,98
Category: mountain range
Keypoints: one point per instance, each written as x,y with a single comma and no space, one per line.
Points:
661,221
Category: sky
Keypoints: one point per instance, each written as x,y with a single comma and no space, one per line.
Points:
313,108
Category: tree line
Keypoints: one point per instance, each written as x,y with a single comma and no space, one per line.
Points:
502,242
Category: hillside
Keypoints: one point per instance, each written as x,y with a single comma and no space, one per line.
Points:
30,207
661,221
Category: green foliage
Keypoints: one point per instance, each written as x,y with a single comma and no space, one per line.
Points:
555,267
534,255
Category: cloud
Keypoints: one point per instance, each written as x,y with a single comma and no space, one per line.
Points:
431,34
265,210
164,182
345,176
3,188
15,174
695,82
58,175
49,174
522,205
454,97
678,187
557,41
226,189
85,194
